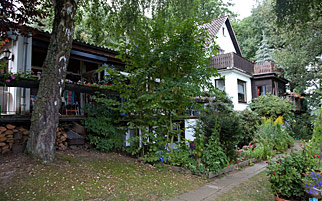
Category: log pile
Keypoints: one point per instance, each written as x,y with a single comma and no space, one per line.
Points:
61,139
12,137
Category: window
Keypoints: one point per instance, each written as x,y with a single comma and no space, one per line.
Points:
241,91
261,90
220,84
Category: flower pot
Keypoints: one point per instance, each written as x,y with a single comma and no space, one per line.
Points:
279,199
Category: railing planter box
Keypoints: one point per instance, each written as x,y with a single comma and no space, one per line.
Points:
27,83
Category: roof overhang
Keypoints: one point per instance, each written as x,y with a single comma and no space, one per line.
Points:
235,70
271,75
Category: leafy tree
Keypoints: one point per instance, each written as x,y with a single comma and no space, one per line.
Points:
248,38
167,64
16,13
44,119
212,9
296,12
300,55
251,30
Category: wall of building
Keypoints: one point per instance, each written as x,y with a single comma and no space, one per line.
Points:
189,125
21,51
224,40
231,87
261,82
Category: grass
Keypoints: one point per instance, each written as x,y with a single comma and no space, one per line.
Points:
77,177
256,188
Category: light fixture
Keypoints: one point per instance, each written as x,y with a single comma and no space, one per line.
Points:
7,54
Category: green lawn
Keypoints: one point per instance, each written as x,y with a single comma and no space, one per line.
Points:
93,176
256,188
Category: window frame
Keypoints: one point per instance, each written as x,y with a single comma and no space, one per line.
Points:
244,99
261,91
224,89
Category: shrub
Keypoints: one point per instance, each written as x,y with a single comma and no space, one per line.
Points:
249,122
272,137
286,174
230,133
213,156
219,115
272,106
103,133
300,126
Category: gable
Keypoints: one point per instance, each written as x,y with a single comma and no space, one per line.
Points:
222,30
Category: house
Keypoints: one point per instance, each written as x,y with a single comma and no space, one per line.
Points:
242,79
236,70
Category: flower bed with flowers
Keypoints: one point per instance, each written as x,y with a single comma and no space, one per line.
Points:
245,153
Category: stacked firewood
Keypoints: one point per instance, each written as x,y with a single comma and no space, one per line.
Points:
14,139
11,135
61,139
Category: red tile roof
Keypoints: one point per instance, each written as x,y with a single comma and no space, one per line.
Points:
215,25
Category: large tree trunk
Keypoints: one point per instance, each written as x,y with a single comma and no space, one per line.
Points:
45,116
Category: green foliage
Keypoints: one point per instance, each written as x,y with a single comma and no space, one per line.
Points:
251,30
317,135
264,51
285,174
102,126
272,106
212,9
214,157
249,122
297,11
230,133
166,58
219,117
300,126
271,136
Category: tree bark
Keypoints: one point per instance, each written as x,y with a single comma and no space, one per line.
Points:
45,116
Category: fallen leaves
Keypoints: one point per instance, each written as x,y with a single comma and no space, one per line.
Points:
79,177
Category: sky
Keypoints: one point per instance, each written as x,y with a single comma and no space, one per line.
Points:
242,7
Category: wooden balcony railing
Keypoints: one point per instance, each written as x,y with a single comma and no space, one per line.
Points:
231,60
265,67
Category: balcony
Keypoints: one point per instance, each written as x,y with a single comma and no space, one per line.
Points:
265,67
231,60
17,98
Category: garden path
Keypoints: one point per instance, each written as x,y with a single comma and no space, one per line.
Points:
213,189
